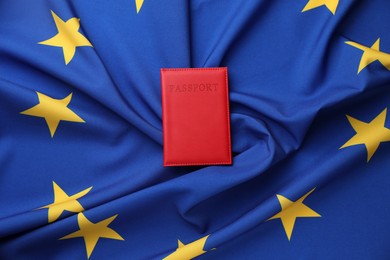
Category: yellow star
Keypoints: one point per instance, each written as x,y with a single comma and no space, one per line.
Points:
293,210
64,202
370,134
92,232
330,4
138,4
68,37
371,54
188,251
53,110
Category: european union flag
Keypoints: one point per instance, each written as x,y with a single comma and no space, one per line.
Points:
81,161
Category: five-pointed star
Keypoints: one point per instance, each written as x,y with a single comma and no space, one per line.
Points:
370,134
64,202
68,37
371,54
138,4
53,110
188,251
293,210
92,232
330,4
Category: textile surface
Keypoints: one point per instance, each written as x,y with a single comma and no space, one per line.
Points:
81,148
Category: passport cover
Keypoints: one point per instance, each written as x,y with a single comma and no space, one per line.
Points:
196,118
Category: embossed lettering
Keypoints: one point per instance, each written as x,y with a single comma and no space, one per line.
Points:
193,87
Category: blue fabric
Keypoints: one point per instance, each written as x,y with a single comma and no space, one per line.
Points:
292,81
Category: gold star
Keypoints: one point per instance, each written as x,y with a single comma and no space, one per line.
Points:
68,37
53,110
293,210
371,54
188,251
370,134
64,202
138,4
92,232
330,4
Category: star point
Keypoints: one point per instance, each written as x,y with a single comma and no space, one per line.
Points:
138,4
68,37
63,201
92,232
188,251
292,210
370,134
371,54
53,111
330,4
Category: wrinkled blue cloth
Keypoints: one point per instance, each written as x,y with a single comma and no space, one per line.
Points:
292,81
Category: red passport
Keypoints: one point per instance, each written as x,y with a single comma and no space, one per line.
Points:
196,119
